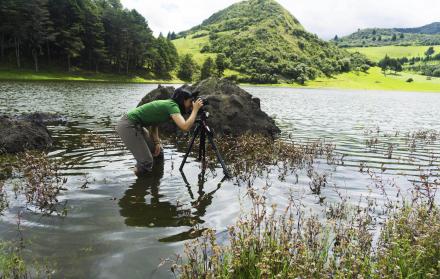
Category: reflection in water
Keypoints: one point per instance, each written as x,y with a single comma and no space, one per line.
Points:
348,119
142,205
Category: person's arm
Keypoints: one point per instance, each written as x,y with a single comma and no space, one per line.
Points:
155,134
186,125
156,140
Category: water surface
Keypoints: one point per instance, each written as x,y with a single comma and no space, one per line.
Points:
121,226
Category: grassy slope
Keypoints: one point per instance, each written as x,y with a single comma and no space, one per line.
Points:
189,45
192,46
375,80
377,53
27,75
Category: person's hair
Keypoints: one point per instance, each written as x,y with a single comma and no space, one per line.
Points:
180,95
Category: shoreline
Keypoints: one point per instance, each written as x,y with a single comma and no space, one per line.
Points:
374,80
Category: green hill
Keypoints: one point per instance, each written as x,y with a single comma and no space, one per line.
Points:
420,36
264,43
433,28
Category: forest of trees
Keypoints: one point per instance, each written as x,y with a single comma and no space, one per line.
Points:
96,35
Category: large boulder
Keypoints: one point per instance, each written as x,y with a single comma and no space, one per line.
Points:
20,135
232,110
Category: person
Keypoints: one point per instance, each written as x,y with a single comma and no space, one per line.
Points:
145,144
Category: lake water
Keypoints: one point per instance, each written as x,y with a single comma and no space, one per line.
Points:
121,226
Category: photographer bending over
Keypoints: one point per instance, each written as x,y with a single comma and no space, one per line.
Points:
145,144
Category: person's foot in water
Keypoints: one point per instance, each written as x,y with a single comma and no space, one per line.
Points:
141,171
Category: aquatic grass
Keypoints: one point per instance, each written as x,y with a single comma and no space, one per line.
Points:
14,264
266,243
367,240
4,203
41,183
409,245
100,141
251,156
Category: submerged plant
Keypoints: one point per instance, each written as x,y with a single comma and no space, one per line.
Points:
3,197
252,156
42,182
14,264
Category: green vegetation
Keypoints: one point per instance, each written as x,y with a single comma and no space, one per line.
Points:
208,69
423,60
83,34
14,265
78,75
377,53
187,68
189,45
375,80
265,44
392,64
425,35
385,237
290,245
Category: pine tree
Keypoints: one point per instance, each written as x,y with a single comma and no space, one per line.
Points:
7,13
187,68
93,36
430,51
39,28
207,69
67,18
167,57
220,64
13,26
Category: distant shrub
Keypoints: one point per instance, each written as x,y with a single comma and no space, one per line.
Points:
232,78
199,35
205,48
364,68
213,36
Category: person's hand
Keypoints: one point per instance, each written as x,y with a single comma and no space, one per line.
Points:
197,104
157,148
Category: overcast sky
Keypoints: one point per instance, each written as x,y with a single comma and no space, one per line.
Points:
322,17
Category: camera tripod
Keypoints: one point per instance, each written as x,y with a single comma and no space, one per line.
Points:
204,131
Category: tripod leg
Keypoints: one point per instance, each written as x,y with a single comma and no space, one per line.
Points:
219,157
196,132
202,144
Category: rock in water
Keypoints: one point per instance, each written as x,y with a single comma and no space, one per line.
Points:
232,110
20,135
44,118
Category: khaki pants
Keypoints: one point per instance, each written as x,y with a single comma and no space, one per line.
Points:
137,139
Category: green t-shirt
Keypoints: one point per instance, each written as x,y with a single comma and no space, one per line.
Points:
154,112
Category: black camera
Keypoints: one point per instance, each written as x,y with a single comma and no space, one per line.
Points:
195,96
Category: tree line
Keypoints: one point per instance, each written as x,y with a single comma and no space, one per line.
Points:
98,35
189,70
428,65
